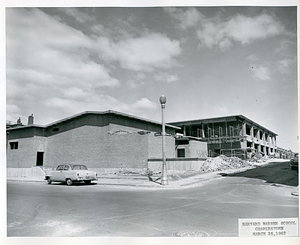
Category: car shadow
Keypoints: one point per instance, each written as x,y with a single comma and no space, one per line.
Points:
74,184
276,173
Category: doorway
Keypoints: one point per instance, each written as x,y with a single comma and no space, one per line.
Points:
39,158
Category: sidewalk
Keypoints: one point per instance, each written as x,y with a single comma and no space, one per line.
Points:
142,181
138,181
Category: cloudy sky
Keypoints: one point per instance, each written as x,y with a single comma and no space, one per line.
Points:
208,61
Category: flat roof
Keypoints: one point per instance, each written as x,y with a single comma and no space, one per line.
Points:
219,119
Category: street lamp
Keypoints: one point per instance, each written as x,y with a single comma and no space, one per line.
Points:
164,177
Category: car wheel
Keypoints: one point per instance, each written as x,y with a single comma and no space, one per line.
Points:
49,181
88,182
69,182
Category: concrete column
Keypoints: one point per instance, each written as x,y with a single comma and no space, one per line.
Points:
251,132
244,129
258,134
184,130
275,143
259,148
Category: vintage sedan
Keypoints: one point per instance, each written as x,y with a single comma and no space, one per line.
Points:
294,162
71,173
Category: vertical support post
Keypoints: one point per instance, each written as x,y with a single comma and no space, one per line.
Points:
164,177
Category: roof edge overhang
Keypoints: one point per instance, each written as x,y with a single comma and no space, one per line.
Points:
95,113
209,120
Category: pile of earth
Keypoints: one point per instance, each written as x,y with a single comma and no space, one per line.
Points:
222,162
212,164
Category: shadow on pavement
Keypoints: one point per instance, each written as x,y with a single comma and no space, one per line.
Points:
275,172
154,180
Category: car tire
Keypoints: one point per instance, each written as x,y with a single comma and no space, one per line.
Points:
69,182
49,181
88,182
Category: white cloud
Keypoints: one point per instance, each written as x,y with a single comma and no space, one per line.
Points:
75,93
144,103
165,77
80,16
261,72
284,47
42,47
134,83
139,107
45,58
187,18
222,110
58,65
252,57
144,53
284,66
76,104
240,28
13,111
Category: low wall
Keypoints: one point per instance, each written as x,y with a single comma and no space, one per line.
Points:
104,171
179,164
25,172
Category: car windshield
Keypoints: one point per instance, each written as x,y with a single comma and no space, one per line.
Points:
79,167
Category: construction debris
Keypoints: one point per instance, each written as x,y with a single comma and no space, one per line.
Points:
222,162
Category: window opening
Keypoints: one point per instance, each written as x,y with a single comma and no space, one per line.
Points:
180,152
14,145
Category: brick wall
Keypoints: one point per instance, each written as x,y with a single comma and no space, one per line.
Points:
155,146
90,140
111,146
25,155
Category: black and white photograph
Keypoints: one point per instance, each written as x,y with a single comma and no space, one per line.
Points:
157,121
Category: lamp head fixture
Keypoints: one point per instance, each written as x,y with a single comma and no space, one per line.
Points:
163,100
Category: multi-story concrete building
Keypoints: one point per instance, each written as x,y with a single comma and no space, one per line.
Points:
230,136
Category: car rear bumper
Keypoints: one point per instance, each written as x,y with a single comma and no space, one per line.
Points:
84,179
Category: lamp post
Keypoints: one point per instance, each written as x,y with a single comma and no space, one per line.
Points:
164,177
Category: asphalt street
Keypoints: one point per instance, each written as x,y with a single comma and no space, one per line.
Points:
35,209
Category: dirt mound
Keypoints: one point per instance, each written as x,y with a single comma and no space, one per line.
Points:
222,163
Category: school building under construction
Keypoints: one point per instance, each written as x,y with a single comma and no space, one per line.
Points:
231,136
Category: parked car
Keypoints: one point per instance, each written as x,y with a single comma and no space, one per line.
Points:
294,162
71,173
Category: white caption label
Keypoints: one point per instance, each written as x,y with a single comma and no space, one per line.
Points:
268,227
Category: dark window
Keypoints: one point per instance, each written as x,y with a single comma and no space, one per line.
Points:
55,129
79,167
182,142
180,152
60,167
248,129
14,145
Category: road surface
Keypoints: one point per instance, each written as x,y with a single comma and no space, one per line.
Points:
36,209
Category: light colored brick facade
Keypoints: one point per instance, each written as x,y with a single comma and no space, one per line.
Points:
108,140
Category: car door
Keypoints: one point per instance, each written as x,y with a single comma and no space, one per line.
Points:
56,175
65,172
